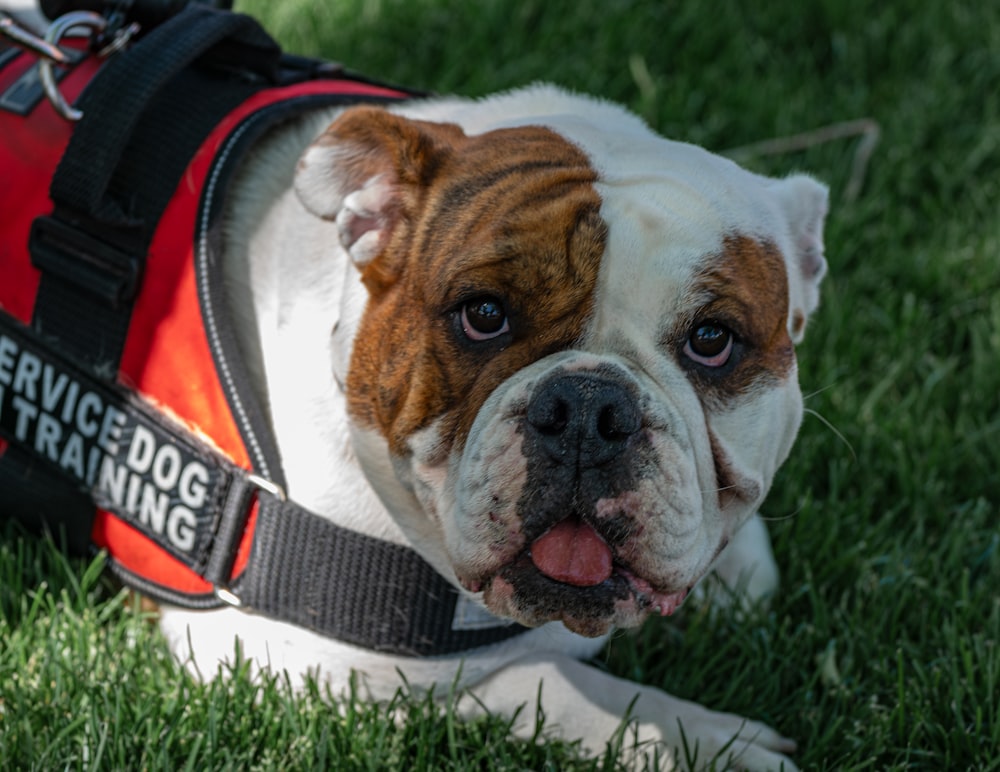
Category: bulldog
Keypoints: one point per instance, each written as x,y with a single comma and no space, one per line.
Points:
548,349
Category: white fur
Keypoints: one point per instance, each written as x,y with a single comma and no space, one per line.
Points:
294,282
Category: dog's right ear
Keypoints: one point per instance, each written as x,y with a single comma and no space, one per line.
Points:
365,172
804,202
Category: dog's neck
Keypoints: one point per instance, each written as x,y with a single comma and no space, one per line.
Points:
286,275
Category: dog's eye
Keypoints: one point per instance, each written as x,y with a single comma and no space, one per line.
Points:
484,318
710,345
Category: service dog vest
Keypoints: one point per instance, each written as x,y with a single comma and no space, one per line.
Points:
125,420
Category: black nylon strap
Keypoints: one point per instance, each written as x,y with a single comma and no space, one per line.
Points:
114,448
194,503
129,82
397,603
87,329
304,569
145,114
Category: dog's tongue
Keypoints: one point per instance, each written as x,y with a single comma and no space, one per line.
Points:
573,553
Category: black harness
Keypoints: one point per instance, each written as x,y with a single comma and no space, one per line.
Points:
89,456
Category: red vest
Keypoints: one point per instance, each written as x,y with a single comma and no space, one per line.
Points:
166,357
163,447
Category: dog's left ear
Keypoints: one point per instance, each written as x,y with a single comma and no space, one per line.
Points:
804,202
365,171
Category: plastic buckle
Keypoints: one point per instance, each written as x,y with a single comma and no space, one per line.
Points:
73,255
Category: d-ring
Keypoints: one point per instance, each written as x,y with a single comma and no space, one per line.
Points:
56,31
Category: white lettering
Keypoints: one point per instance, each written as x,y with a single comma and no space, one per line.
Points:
192,485
47,436
72,455
52,392
112,480
166,467
70,404
29,367
111,429
132,495
142,450
87,425
8,350
181,528
153,508
25,412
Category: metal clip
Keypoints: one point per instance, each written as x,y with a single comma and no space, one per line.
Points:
267,486
30,42
56,31
228,597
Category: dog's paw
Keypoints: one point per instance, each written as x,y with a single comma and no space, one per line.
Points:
648,728
686,736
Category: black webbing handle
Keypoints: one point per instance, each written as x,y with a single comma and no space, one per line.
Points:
145,113
113,103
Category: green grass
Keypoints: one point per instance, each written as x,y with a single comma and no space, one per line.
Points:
882,650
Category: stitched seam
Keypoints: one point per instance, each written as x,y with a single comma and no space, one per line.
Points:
210,321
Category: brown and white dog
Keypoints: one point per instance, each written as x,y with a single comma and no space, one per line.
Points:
551,351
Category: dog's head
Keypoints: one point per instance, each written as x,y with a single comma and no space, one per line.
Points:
576,349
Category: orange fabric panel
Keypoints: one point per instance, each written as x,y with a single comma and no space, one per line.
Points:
167,357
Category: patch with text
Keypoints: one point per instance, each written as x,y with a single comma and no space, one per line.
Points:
130,460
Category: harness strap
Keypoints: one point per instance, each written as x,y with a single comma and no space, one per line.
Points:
108,202
128,84
77,434
299,560
153,473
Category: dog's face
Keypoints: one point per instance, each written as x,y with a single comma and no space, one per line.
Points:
576,348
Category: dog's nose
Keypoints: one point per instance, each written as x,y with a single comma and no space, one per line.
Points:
583,418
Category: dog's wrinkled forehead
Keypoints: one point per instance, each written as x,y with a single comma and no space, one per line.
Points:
692,239
674,204
574,227
677,211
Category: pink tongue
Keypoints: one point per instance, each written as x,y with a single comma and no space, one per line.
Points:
571,552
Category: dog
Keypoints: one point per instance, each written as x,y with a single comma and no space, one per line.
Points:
547,348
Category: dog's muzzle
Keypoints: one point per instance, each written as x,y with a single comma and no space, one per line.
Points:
585,444
581,421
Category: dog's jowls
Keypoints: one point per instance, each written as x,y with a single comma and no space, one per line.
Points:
547,348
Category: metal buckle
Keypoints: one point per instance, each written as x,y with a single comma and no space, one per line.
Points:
29,41
50,55
267,486
56,31
263,485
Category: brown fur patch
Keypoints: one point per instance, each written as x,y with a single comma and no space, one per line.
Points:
511,214
744,288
